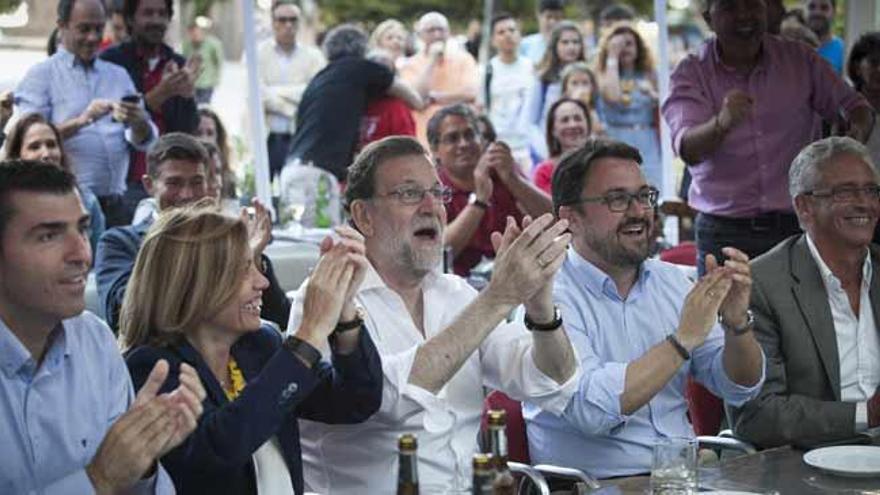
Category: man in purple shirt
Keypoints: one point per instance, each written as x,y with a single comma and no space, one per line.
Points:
739,112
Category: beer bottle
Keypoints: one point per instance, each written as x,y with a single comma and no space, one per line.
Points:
504,483
484,475
407,470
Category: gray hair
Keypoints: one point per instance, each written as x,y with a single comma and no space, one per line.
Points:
436,120
804,174
346,40
361,181
432,17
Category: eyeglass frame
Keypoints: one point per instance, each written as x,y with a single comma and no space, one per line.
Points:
470,135
439,192
853,190
653,192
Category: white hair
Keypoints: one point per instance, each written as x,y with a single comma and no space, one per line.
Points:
432,18
804,174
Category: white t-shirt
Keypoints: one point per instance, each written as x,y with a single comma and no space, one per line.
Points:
508,89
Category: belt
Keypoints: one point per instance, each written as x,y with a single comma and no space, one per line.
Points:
773,220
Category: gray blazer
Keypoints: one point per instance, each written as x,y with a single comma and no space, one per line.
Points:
800,401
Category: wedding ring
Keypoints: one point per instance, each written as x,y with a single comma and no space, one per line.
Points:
712,294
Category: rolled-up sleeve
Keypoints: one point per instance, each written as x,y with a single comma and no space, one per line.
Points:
508,365
688,104
707,365
831,94
32,93
595,409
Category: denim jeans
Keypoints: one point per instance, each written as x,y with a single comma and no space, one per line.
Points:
753,236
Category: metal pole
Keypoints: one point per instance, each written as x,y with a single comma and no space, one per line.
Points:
667,188
259,149
488,9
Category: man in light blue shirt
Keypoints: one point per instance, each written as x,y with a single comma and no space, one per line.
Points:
534,45
69,421
82,95
639,326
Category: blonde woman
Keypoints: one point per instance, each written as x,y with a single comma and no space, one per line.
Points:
391,36
566,46
194,297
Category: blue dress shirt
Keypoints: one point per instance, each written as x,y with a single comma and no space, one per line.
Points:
61,88
54,417
608,332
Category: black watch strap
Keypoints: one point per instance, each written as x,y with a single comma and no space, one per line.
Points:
347,326
544,327
303,350
680,349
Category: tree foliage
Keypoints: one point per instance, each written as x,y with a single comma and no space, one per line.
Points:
8,5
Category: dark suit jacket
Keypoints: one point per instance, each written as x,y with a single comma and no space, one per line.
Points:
114,262
216,457
178,112
800,401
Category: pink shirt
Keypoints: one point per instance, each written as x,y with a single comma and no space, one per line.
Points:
748,174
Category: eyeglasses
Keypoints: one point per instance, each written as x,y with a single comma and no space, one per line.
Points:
619,201
848,194
453,138
288,20
415,195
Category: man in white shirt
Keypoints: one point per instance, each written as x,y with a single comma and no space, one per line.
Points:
285,69
441,342
816,298
504,86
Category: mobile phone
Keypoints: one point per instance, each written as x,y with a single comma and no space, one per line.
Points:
135,98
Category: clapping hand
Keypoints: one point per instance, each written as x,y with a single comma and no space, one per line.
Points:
153,425
734,307
527,258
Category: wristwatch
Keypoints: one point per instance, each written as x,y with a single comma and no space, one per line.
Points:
747,327
346,326
473,200
544,327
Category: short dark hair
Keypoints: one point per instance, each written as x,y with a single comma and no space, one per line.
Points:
175,146
570,175
865,46
30,176
65,7
550,5
500,16
616,12
361,180
345,40
130,7
458,109
15,139
279,3
553,146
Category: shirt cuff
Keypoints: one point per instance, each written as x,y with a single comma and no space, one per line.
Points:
397,368
546,392
144,146
734,393
861,416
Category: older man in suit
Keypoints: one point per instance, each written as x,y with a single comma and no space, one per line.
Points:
816,303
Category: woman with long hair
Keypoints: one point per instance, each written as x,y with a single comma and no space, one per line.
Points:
628,96
566,46
211,129
569,125
863,69
35,138
194,297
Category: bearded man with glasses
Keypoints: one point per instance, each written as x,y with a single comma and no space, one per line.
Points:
816,298
440,341
639,326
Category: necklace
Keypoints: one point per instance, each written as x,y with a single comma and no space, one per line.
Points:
236,379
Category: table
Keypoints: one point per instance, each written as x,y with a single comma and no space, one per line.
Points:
780,470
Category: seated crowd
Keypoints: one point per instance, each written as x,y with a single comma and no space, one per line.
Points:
204,376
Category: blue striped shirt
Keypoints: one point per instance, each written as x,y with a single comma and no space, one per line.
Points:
61,88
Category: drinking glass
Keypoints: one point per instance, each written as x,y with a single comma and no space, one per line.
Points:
674,467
